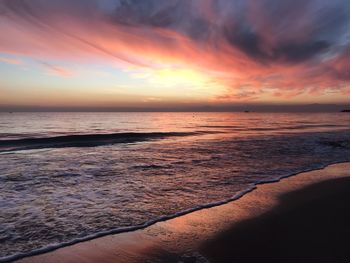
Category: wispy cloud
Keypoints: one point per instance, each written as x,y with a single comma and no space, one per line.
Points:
12,61
253,48
57,70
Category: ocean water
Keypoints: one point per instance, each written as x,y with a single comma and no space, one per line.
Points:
67,177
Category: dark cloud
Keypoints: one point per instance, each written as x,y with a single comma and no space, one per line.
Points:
179,15
147,13
298,52
267,30
305,42
283,31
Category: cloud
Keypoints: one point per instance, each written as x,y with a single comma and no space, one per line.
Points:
252,47
57,70
12,61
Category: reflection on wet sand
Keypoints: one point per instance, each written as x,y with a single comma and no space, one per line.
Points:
192,237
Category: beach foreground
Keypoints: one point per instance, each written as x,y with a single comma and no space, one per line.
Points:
303,218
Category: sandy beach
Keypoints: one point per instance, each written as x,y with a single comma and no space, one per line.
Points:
303,218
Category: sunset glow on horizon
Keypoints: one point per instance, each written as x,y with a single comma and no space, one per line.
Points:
130,53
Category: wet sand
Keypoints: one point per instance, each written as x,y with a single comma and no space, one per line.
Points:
303,218
308,225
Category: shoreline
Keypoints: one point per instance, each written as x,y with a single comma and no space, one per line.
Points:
157,239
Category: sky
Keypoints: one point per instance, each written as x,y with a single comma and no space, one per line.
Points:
175,53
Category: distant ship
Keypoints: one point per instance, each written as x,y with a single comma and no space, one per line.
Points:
345,111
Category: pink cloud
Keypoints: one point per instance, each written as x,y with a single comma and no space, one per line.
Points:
250,49
57,70
12,61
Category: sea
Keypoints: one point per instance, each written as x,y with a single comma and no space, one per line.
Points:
70,177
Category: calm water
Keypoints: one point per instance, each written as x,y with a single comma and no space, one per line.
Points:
70,176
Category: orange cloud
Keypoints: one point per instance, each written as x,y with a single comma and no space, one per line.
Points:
57,70
12,61
254,50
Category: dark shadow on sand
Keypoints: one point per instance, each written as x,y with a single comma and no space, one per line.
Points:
309,225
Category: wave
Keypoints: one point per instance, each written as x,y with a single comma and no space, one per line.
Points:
343,144
296,127
85,140
151,222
